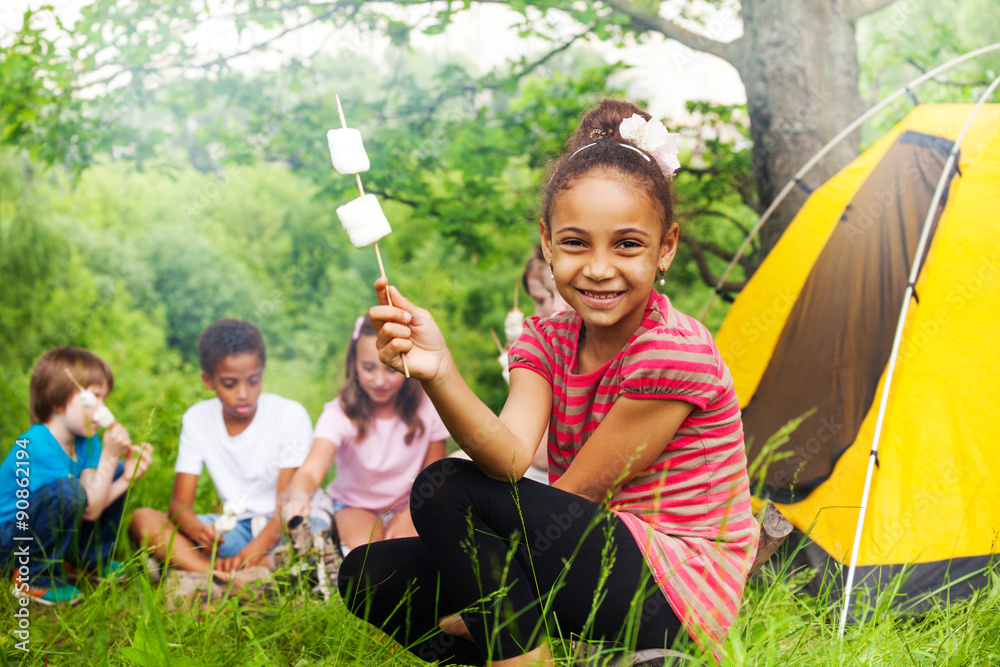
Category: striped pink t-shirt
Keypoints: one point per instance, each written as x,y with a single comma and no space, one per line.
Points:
690,511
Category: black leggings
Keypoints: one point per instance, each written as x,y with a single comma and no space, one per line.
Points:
471,558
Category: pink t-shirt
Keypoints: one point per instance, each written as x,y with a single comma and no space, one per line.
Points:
689,512
376,474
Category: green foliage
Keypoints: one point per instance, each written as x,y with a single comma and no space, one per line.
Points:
778,625
912,37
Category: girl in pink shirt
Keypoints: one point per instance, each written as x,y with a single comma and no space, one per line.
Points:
381,431
646,532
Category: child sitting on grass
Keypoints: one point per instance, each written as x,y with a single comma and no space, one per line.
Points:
251,443
646,532
64,489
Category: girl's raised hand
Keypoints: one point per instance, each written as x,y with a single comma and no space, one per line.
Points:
403,328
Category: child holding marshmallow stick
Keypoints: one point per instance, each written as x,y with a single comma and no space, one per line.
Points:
67,484
645,443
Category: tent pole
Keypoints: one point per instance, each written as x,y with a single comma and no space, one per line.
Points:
819,156
897,341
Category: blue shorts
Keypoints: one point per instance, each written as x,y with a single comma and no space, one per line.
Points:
341,505
243,533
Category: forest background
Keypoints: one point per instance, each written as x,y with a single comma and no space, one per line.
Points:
136,210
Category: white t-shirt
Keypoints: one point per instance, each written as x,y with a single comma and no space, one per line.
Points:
246,465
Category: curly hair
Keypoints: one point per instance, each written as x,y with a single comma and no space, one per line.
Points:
596,145
224,338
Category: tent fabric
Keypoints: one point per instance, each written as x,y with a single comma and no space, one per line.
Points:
830,354
935,496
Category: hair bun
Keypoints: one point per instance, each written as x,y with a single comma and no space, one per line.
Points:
602,122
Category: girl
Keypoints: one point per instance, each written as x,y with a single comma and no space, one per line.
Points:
646,531
382,431
540,287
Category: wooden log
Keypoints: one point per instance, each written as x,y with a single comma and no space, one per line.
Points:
774,528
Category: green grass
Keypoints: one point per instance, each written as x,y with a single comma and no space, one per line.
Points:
128,624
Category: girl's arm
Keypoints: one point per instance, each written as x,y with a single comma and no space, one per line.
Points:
435,452
295,500
401,525
629,440
501,446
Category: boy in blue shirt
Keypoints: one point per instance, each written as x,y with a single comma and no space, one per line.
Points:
63,490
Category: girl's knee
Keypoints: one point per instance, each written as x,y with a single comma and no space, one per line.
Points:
439,483
146,521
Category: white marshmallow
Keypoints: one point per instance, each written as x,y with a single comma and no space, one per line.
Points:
234,507
363,220
224,524
504,367
347,151
513,324
104,417
87,398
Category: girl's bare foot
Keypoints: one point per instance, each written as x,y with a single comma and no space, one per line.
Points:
454,625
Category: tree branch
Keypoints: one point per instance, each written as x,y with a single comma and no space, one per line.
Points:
559,49
861,8
498,82
707,211
223,59
645,21
958,84
390,197
698,252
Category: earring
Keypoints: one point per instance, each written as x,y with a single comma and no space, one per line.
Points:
552,272
662,280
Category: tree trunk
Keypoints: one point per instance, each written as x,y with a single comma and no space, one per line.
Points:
799,65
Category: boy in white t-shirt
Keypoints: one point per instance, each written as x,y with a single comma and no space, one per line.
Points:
251,443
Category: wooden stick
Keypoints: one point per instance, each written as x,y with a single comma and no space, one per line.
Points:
340,110
73,379
378,254
774,528
496,339
517,286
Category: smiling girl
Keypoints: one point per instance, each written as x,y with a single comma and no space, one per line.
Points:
381,431
646,532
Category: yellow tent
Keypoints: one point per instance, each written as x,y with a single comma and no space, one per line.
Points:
812,331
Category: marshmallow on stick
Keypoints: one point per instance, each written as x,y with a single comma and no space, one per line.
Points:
102,415
362,218
502,359
232,509
347,151
513,324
